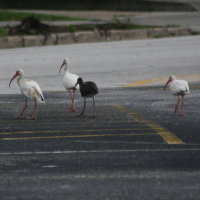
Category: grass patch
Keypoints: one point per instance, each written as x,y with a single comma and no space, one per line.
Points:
33,29
4,31
107,26
83,27
18,16
116,23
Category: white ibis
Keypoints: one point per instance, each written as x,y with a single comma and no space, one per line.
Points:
31,90
178,88
88,90
69,80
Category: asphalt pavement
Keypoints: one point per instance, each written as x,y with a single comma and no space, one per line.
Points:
136,147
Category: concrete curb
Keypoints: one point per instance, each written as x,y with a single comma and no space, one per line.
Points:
90,36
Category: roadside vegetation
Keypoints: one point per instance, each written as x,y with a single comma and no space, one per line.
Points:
18,16
116,23
31,24
4,31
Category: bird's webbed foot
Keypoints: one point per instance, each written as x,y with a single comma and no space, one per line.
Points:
33,117
182,114
72,109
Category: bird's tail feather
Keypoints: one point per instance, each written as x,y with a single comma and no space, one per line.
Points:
40,96
41,100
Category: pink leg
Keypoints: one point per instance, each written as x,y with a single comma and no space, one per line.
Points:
73,103
182,107
72,96
24,108
176,107
34,115
71,99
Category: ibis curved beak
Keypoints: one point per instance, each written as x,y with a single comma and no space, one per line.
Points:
76,84
13,78
166,84
61,67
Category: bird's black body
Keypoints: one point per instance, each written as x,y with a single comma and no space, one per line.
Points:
87,89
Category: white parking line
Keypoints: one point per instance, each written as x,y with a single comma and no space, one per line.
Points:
100,151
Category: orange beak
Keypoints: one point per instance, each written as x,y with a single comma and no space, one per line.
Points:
13,78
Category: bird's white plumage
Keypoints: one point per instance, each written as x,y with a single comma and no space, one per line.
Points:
69,79
31,89
178,87
69,82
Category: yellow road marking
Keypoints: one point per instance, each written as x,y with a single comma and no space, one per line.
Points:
67,121
166,135
77,136
48,119
144,82
65,131
162,80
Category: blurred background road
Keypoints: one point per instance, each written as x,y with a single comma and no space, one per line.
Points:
109,64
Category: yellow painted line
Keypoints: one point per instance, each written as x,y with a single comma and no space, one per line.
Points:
143,82
162,80
65,118
195,86
66,131
166,135
67,122
78,136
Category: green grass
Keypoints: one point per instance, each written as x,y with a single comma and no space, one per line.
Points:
88,27
18,16
109,26
116,23
3,31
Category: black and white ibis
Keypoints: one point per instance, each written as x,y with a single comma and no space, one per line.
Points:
69,80
178,88
31,90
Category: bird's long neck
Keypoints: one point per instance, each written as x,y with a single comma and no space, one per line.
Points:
19,79
82,85
66,67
